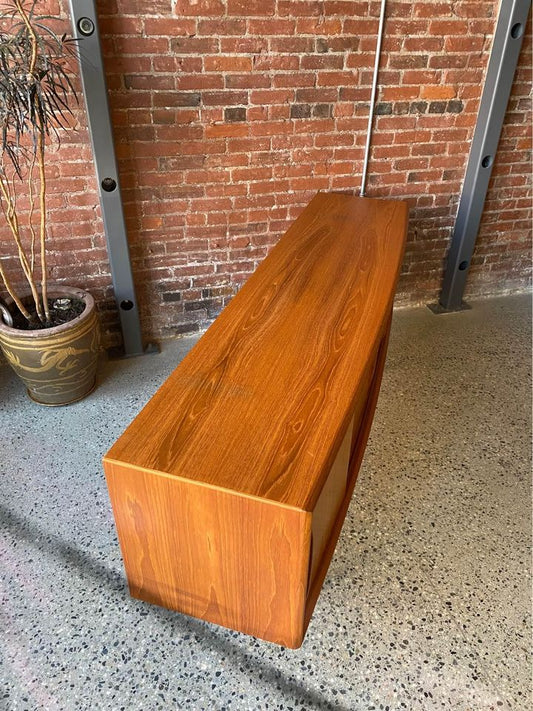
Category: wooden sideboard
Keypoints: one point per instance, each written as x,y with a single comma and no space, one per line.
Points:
230,488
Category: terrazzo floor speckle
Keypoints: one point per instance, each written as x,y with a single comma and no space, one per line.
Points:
427,603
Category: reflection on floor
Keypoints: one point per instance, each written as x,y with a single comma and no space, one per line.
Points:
426,604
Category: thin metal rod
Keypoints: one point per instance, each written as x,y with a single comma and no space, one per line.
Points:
504,55
85,25
373,96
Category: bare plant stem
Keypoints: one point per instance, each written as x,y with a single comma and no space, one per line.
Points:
42,223
42,187
12,293
30,215
24,16
11,219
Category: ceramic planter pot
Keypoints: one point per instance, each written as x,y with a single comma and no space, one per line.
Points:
58,364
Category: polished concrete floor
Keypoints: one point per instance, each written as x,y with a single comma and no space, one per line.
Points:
427,601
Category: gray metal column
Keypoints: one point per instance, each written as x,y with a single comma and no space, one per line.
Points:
499,80
85,27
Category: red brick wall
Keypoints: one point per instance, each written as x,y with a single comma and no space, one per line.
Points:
230,114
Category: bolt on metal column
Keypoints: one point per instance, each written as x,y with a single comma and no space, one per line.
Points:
85,26
498,83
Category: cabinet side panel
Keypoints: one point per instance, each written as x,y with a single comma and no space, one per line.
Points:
329,502
361,437
235,561
369,391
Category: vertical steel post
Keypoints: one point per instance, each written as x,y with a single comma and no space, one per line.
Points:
498,83
85,26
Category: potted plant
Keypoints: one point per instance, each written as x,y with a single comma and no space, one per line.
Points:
48,333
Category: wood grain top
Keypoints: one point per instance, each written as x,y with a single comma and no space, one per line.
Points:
261,403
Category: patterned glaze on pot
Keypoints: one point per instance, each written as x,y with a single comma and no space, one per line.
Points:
57,365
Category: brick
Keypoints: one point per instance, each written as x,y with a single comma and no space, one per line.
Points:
302,8
356,60
397,93
197,82
271,27
249,174
199,7
401,108
322,111
176,99
171,296
468,44
194,45
455,107
317,95
300,111
277,112
449,27
335,140
148,82
423,44
447,61
141,45
418,107
335,79
409,61
269,128
221,98
437,107
291,45
251,8
438,92
228,64
383,109
282,62
304,79
163,26
248,145
221,27
235,114
348,43
243,45
322,62
421,76
261,113
226,131
330,26
431,10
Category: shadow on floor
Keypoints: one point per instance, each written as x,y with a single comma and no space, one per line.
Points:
209,635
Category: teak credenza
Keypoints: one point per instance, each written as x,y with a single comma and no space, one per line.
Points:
230,488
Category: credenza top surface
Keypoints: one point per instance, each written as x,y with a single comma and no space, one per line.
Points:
258,406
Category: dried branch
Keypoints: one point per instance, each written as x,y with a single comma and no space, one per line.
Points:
34,106
10,215
31,228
